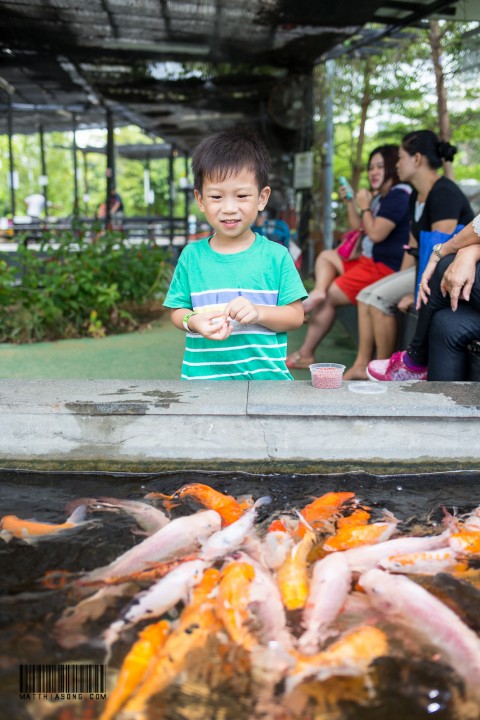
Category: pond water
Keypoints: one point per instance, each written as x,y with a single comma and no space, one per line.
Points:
404,684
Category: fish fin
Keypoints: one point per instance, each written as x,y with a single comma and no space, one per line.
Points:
262,501
78,515
304,522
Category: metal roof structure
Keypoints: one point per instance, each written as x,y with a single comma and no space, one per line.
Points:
250,61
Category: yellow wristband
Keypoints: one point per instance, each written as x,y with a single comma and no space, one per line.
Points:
187,318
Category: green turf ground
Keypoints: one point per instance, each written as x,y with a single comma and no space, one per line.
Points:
154,353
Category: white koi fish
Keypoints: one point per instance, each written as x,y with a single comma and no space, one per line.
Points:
180,536
159,598
329,588
362,559
405,602
429,562
148,517
232,536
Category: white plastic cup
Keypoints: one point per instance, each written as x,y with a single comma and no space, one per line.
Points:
327,376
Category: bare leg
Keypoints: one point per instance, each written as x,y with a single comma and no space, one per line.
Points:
384,332
328,266
366,344
321,321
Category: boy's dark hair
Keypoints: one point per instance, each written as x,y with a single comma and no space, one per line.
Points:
427,143
389,154
227,153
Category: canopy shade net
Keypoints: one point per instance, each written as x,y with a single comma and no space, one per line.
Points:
180,69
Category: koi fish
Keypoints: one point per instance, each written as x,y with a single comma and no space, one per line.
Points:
180,536
152,572
232,602
160,597
329,588
232,536
292,575
407,603
148,645
197,623
363,558
429,562
266,605
351,535
350,655
321,510
12,526
226,505
149,518
466,542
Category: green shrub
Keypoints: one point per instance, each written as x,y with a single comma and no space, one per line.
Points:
79,287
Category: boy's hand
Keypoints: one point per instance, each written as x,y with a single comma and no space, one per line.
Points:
242,310
211,325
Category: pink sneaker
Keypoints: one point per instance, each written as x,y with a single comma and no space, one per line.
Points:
394,369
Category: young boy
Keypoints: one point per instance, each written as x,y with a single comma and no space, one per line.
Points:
235,293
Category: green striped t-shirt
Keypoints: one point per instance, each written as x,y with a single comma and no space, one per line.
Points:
205,280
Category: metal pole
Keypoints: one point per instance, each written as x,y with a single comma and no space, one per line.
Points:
306,142
187,198
44,167
85,181
75,173
10,157
170,197
110,171
328,164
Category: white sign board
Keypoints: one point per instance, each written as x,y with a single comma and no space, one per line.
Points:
303,171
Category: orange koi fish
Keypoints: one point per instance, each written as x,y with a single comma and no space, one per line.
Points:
148,645
226,505
197,623
351,655
351,535
323,509
13,526
466,542
232,602
292,577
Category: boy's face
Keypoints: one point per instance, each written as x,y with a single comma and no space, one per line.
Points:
232,205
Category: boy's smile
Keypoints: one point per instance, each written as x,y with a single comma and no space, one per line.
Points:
231,206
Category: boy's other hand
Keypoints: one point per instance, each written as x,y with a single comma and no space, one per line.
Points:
242,310
211,325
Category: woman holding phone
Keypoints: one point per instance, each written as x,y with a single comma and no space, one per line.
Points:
385,221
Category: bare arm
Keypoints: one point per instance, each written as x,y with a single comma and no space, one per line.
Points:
377,228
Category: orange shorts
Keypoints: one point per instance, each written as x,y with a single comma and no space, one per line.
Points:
360,273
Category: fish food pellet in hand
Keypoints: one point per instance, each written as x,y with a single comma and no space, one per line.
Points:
327,378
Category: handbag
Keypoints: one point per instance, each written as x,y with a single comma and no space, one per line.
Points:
348,244
429,238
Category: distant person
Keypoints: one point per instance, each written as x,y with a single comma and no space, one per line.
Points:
35,204
116,206
387,227
236,294
116,203
268,224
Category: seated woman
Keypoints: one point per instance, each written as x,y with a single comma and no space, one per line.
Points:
436,203
387,226
449,315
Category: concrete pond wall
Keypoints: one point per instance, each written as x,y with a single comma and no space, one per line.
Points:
138,426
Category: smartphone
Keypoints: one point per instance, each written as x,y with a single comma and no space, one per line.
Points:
344,183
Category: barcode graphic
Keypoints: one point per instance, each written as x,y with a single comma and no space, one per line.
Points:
63,678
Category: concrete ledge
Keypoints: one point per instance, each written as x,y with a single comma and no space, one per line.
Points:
152,425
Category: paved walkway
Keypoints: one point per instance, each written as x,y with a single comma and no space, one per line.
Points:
154,353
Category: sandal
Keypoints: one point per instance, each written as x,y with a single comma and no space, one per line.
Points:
299,362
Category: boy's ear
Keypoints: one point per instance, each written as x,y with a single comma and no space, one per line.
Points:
199,200
263,198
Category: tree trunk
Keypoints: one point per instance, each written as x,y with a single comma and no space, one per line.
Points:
435,37
365,104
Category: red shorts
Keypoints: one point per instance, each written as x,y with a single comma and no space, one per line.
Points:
360,273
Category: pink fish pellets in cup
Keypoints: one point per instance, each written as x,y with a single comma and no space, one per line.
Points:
327,376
